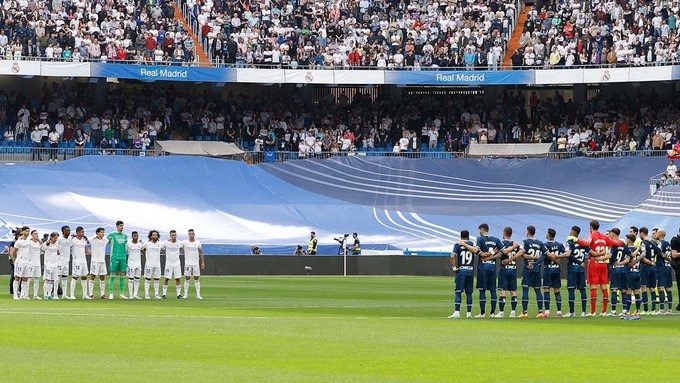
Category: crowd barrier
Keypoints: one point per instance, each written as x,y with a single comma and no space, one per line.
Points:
339,76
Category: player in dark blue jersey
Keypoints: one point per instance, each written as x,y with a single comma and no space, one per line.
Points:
618,279
462,264
633,280
576,272
531,276
489,251
648,270
554,251
664,273
507,277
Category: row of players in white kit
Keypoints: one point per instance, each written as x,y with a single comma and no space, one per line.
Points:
58,250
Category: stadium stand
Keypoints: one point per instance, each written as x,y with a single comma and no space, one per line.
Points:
121,31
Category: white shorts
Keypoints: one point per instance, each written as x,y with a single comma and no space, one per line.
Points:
192,270
79,270
52,272
152,272
98,268
134,271
22,269
63,269
173,271
36,272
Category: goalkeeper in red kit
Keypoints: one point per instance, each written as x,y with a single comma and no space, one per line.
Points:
598,272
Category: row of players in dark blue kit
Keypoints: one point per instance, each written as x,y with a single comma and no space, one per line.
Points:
637,268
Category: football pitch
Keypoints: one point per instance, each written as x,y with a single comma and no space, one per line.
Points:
323,329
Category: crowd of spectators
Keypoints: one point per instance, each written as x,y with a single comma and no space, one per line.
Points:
86,30
347,33
599,32
280,119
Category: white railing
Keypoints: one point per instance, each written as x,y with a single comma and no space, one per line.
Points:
9,154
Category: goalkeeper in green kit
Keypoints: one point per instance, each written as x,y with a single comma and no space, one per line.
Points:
118,263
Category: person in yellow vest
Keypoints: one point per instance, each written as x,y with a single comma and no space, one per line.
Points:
311,246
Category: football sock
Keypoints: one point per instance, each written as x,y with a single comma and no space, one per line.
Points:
584,300
626,302
558,301
64,286
74,282
136,287
121,285
525,299
572,298
662,299
615,300
112,279
605,300
669,298
15,289
165,289
539,298
546,301
47,288
501,304
102,288
482,301
24,289
468,297
147,284
645,303
653,300
457,301
593,301
494,300
131,286
513,303
637,302
36,286
90,287
197,285
156,286
178,287
186,287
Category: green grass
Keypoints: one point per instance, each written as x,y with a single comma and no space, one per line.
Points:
322,329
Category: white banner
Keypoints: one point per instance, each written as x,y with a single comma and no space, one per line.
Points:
359,77
20,68
652,73
511,150
301,76
64,69
262,76
559,76
605,75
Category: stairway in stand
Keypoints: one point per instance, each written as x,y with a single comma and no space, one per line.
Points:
516,34
202,57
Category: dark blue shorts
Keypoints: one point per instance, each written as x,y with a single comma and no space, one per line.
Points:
507,280
552,279
619,280
531,279
648,276
633,281
464,282
486,278
576,279
664,277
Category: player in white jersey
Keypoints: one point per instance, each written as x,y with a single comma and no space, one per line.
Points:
22,264
193,250
173,267
63,261
51,250
134,264
152,265
36,269
98,263
79,268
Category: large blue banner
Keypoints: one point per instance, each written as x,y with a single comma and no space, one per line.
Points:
163,72
432,77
